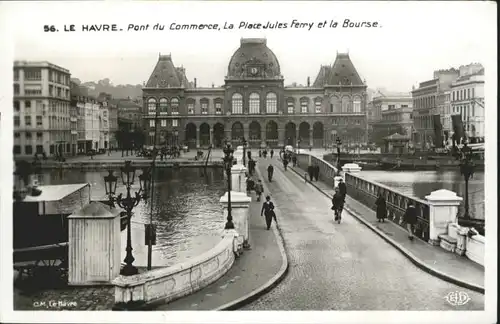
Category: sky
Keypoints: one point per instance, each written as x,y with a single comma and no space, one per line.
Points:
413,39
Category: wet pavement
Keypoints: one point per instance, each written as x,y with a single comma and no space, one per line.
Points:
344,266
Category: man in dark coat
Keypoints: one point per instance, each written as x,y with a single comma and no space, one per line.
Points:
270,171
294,160
410,218
268,211
342,188
310,171
285,163
316,172
381,208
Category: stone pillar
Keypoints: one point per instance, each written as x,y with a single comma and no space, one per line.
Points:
281,137
197,137
263,136
238,178
297,135
246,131
94,255
238,154
211,136
311,139
443,208
240,212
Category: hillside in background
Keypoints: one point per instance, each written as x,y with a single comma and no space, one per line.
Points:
119,91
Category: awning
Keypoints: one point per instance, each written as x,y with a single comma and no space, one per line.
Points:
55,192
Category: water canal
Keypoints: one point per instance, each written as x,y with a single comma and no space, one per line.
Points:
186,210
422,183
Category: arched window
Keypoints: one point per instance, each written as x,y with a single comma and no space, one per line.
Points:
271,103
304,105
152,106
254,103
317,105
218,106
335,106
174,104
163,106
356,103
204,106
237,104
290,104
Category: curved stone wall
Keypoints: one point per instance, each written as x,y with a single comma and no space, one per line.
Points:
167,284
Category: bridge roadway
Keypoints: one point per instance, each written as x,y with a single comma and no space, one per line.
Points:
343,266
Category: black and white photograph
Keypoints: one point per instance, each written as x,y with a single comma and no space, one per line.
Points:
302,162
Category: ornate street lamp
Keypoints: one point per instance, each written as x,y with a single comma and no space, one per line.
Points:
339,143
128,203
244,143
467,170
228,163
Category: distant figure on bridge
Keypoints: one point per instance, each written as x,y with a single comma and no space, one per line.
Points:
310,171
285,163
316,172
270,171
251,166
264,154
272,153
381,208
259,189
250,184
249,155
410,219
294,160
260,153
337,205
268,211
342,188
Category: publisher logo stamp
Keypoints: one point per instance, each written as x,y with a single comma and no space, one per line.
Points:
457,298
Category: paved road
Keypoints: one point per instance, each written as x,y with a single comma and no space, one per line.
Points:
344,266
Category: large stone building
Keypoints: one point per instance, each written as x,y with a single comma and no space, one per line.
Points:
395,111
254,103
467,100
41,109
426,106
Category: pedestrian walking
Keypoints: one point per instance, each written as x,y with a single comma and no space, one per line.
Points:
285,163
250,184
249,155
316,172
337,205
270,171
342,188
381,208
268,211
310,171
272,153
410,219
259,188
260,153
294,160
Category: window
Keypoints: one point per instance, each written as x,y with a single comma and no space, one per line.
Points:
290,106
391,107
28,150
152,106
237,103
163,123
468,93
39,149
404,106
174,105
39,121
17,121
357,105
335,105
33,74
204,106
304,105
51,90
17,149
163,106
254,103
16,106
28,135
317,105
16,89
39,135
17,135
218,108
271,103
16,75
27,120
190,106
175,122
346,107
27,106
151,123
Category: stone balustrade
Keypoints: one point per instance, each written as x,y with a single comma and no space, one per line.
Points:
167,284
326,170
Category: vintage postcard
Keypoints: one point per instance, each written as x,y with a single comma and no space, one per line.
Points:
302,162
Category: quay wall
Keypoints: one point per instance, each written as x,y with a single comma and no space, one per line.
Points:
96,165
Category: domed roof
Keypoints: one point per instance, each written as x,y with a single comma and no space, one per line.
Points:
253,59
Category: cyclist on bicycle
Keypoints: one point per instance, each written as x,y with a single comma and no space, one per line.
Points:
338,204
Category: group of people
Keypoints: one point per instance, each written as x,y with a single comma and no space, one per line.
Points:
263,153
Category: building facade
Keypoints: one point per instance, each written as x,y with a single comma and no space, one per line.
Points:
426,106
41,109
395,116
130,110
467,100
254,104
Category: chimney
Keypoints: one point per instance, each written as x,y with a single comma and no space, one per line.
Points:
308,82
195,82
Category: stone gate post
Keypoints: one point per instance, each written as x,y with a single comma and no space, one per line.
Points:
443,208
240,212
